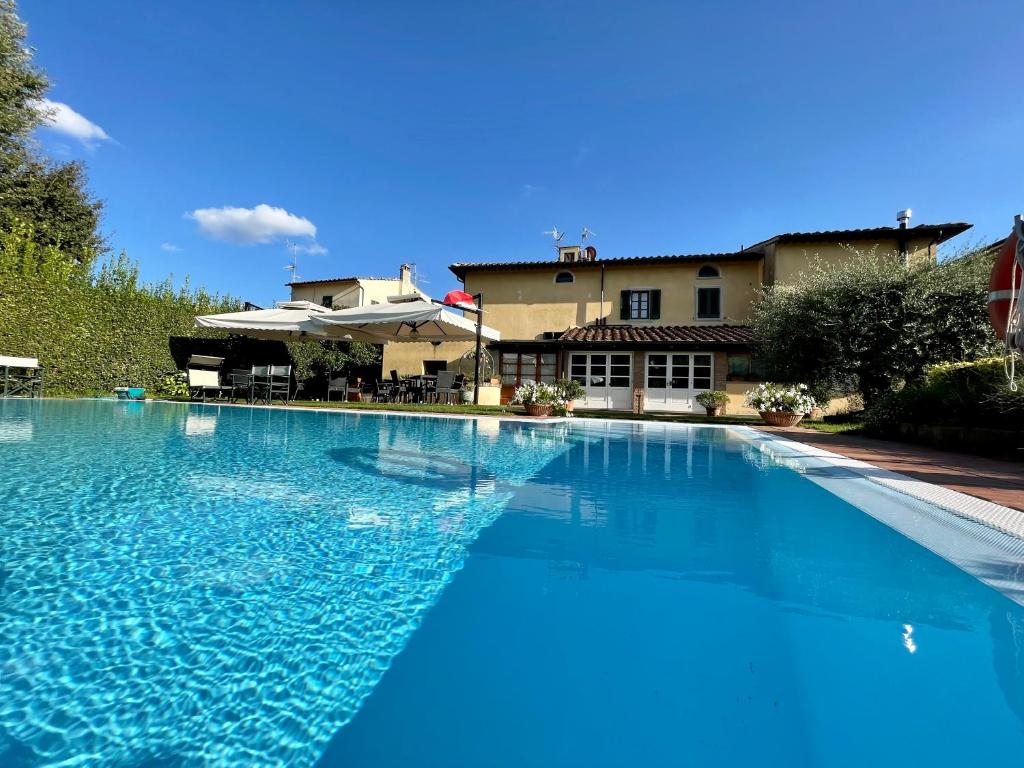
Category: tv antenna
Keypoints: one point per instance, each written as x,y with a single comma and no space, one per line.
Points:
293,266
587,232
555,234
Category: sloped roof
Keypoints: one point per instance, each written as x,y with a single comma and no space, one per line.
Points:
340,280
660,334
940,232
461,268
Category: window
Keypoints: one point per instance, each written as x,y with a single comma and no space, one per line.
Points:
657,371
565,277
702,371
640,305
743,367
708,271
620,370
431,367
327,301
517,367
709,303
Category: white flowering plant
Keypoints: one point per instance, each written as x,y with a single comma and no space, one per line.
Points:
785,398
536,393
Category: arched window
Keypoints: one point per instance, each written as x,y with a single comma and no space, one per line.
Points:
565,277
708,270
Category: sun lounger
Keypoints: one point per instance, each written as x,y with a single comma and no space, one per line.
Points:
204,377
22,376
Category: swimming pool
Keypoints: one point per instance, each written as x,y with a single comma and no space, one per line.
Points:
200,585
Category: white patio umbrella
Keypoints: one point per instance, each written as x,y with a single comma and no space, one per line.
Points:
287,321
416,320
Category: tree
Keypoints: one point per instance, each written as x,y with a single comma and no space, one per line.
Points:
51,198
874,323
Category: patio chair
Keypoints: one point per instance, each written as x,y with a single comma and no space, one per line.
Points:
337,384
382,392
22,376
445,386
203,377
280,384
240,383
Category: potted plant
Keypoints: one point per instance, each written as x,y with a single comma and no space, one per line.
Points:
714,401
780,405
537,397
569,391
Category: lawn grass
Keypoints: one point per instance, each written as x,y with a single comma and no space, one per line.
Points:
840,427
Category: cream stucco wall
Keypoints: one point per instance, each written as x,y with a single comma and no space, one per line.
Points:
524,304
346,293
407,357
790,259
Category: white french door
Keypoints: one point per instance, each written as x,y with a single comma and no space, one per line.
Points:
607,378
675,378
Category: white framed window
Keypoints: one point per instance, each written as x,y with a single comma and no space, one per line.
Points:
709,303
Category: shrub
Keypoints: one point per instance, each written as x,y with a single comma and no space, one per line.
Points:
961,394
536,393
712,398
780,397
569,390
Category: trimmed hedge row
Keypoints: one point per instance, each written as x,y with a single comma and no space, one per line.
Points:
93,333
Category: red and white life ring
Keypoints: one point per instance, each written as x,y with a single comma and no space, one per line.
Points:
1004,286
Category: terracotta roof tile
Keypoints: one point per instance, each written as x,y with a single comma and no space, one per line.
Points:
661,334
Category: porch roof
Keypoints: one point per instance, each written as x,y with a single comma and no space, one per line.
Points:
740,335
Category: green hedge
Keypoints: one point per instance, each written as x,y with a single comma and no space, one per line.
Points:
92,332
974,394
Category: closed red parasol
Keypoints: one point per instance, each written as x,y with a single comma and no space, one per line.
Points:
459,299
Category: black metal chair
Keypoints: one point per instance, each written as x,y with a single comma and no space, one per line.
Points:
337,384
382,392
239,384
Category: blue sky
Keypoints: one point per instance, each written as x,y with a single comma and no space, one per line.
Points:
441,132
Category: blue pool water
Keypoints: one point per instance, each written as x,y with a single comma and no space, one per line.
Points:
195,585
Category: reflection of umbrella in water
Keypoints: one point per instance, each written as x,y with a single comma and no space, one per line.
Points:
412,467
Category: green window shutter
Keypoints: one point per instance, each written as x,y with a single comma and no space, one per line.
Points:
624,306
655,305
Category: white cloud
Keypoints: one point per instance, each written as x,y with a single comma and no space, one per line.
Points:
170,248
246,226
313,249
61,118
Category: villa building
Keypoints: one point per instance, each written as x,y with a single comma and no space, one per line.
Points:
647,332
347,292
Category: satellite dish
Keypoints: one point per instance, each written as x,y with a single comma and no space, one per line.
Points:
591,252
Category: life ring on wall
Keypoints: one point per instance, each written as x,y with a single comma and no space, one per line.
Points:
1004,287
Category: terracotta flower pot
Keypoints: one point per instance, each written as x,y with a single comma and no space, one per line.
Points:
714,410
535,409
569,405
816,414
781,418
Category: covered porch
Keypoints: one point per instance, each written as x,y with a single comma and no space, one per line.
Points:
642,368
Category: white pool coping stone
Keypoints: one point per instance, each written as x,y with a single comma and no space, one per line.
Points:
1005,519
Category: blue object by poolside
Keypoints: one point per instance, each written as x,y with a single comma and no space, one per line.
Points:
130,393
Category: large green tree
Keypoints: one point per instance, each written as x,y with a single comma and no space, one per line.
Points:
874,323
51,198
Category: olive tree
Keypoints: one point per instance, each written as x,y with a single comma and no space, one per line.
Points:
873,322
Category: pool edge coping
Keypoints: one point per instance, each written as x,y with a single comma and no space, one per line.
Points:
1003,519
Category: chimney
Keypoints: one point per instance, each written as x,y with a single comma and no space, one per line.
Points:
405,279
903,217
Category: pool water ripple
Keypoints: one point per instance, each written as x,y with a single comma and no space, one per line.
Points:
224,586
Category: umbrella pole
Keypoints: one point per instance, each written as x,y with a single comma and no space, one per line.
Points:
479,324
